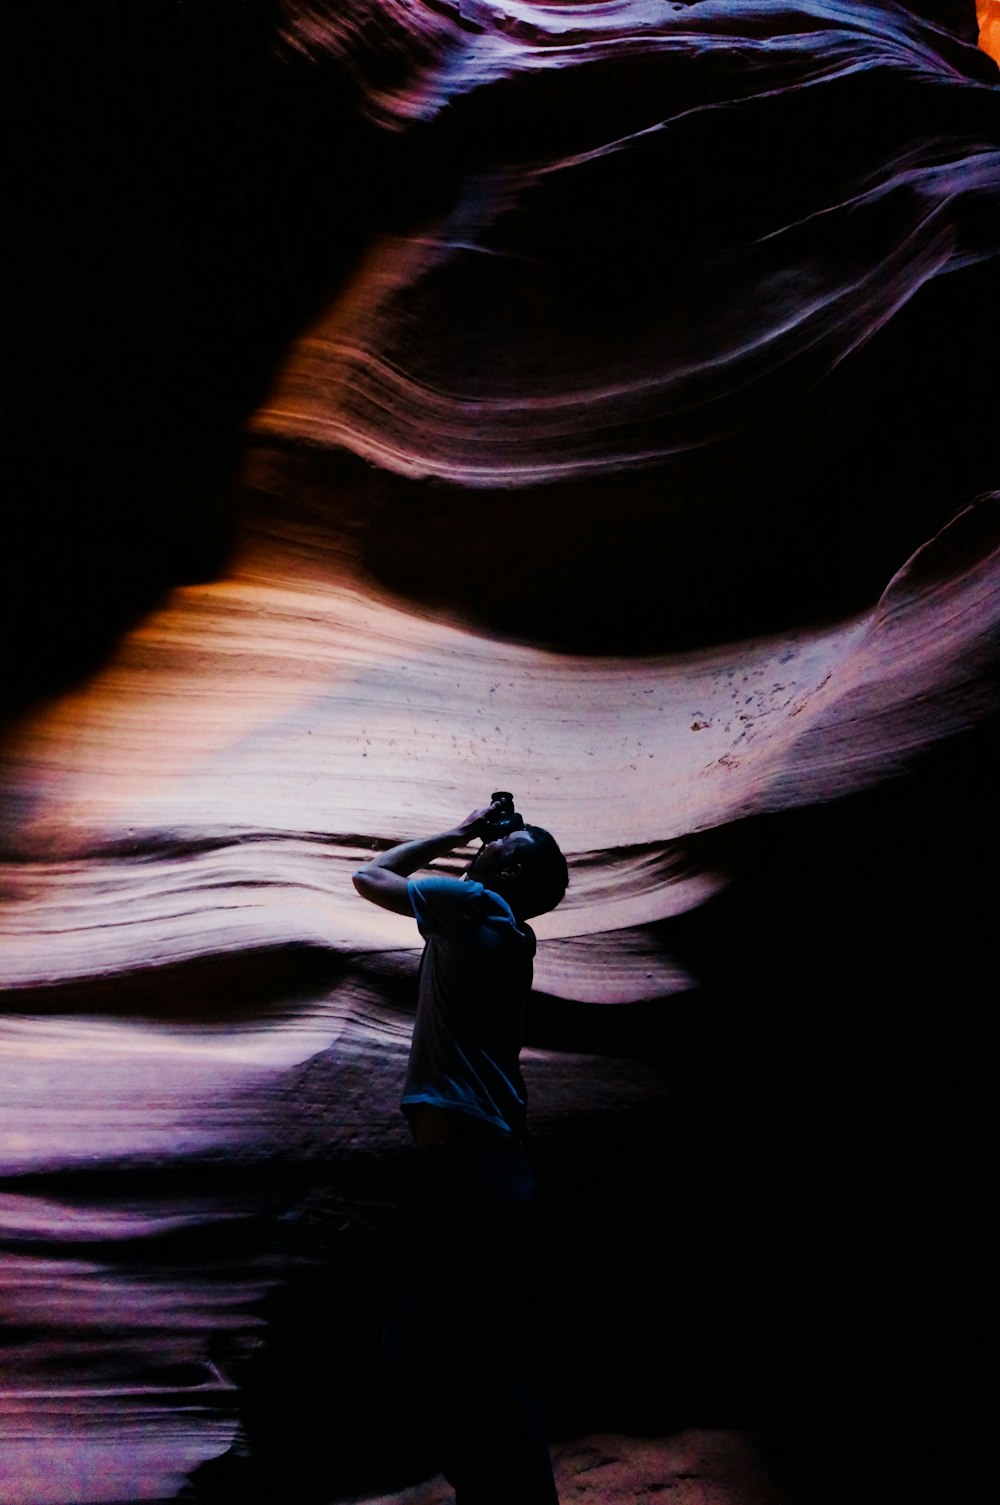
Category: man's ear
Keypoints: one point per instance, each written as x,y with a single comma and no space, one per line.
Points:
511,870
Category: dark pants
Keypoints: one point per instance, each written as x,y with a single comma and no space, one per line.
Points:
457,1339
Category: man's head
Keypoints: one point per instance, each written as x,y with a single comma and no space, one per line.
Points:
524,867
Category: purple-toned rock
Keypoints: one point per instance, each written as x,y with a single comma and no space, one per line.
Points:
420,399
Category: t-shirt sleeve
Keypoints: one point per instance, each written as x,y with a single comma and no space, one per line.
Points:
443,905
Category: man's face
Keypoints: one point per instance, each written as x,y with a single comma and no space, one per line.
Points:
498,862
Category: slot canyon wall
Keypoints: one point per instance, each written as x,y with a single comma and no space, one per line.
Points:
413,398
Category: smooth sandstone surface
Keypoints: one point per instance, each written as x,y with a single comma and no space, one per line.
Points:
585,400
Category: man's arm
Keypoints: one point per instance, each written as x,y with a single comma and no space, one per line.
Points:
383,879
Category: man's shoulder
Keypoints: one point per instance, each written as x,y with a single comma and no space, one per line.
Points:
443,889
441,903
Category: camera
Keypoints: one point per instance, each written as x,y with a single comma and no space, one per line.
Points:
504,820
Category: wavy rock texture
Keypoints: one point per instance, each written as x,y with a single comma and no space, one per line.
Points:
417,399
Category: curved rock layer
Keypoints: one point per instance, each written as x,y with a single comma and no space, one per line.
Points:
632,453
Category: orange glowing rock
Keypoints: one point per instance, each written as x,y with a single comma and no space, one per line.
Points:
988,15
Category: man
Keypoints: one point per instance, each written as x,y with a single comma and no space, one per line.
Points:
457,1330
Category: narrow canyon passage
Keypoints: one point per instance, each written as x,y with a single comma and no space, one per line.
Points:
414,400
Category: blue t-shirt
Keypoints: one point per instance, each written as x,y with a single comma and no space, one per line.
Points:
475,978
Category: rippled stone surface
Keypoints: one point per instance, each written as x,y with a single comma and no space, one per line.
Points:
585,400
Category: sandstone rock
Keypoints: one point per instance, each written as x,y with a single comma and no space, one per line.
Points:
414,400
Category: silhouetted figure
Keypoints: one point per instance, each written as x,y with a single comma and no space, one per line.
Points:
457,1335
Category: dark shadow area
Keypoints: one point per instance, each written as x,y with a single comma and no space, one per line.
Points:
958,16
254,984
184,189
820,500
813,1246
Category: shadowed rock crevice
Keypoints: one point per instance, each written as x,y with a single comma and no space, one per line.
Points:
186,189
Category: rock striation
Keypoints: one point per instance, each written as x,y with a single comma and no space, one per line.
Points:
414,399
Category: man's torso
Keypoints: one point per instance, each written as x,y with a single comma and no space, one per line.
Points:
475,979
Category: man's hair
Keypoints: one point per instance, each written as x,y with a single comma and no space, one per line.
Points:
544,876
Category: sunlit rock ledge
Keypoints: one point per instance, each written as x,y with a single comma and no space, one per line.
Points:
605,383
210,792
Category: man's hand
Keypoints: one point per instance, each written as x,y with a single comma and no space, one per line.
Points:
382,880
474,825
